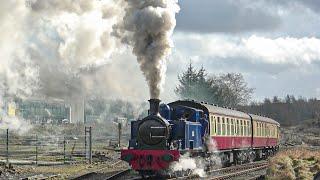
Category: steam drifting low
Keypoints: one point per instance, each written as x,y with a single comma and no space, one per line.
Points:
147,26
55,48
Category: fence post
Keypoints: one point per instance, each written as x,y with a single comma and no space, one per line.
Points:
85,143
7,147
36,149
119,134
64,150
90,145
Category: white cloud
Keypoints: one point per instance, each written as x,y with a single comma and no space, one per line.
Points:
283,50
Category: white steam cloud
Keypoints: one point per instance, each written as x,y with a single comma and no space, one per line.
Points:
50,45
197,165
186,163
147,26
52,48
63,49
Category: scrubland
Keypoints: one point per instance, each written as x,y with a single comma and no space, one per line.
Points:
298,163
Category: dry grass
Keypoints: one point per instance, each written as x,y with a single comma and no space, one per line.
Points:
297,163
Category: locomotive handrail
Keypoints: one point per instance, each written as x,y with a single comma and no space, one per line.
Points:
157,136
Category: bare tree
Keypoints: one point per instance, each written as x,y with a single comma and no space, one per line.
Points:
225,89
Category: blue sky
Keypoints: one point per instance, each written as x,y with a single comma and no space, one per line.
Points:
275,44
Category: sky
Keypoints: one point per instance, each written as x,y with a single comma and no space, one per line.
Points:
275,44
54,48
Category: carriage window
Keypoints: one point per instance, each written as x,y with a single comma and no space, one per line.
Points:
228,127
215,124
211,125
260,129
273,131
219,126
249,128
241,130
223,127
238,127
232,127
244,128
266,125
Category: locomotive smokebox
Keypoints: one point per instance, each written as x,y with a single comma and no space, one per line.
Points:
154,106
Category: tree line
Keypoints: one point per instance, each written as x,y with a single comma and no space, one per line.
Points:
232,90
287,111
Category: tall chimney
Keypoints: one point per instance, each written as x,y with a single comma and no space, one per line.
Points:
154,106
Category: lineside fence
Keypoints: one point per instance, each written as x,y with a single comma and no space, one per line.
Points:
50,150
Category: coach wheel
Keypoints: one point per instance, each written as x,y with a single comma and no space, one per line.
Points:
252,156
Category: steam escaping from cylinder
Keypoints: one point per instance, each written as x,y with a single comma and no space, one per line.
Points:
147,26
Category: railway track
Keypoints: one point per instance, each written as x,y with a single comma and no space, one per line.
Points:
101,175
231,172
236,171
119,174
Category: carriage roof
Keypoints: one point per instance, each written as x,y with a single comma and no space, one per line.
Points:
211,108
263,119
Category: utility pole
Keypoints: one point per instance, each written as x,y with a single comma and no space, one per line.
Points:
7,147
88,144
119,134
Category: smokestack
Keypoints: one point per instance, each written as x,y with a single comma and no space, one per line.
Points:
154,106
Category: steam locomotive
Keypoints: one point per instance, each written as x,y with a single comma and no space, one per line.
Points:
200,129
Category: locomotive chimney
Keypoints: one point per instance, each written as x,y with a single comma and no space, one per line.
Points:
154,106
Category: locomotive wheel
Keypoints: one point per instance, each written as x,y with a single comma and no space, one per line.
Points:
145,174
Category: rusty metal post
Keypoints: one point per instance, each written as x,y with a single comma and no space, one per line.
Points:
85,142
119,134
64,150
90,145
36,149
7,147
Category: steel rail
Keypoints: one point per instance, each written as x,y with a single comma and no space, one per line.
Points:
240,173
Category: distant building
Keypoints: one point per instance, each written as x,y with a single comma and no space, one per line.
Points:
44,111
77,110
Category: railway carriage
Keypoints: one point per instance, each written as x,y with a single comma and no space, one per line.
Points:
201,129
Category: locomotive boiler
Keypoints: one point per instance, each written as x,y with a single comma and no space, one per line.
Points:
171,130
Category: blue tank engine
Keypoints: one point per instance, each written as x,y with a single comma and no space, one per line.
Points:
167,128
